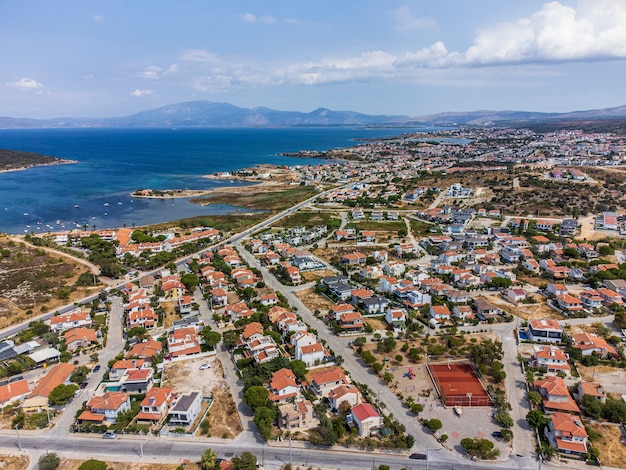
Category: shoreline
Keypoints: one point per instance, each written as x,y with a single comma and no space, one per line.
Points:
35,165
261,177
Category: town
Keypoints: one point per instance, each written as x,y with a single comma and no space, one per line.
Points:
457,296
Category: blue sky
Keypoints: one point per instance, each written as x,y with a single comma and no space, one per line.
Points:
113,58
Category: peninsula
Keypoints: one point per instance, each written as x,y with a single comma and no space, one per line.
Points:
15,160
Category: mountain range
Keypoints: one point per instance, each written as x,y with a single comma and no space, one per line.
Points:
211,114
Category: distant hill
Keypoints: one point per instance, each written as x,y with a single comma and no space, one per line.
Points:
211,114
484,118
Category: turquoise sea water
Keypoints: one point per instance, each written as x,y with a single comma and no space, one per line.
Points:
114,162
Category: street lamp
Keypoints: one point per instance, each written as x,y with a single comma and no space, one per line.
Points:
17,431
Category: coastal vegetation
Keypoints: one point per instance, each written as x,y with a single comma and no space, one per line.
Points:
11,160
263,200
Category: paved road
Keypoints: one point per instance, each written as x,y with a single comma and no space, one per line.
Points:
161,450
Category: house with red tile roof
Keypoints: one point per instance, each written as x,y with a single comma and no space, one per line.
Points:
12,391
252,331
146,349
79,338
366,418
569,304
155,405
551,358
119,368
567,433
105,407
283,386
351,321
354,258
555,396
322,383
68,321
183,341
238,311
588,343
344,393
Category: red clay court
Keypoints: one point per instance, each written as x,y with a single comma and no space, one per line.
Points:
457,384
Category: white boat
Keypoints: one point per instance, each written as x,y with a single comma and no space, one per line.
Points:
106,204
458,410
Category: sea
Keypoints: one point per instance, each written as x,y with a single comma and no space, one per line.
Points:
112,163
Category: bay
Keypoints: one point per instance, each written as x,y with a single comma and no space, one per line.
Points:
114,162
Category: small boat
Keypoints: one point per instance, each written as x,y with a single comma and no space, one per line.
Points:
458,410
25,213
119,203
106,204
76,206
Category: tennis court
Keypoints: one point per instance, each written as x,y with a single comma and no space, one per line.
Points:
457,384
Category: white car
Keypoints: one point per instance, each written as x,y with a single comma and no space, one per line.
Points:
205,366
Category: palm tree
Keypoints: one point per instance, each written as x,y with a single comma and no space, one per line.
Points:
208,461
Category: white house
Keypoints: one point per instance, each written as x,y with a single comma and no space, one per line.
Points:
366,418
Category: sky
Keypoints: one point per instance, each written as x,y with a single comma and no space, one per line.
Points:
105,58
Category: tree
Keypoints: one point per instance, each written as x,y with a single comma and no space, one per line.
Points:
614,411
137,331
388,377
536,419
211,338
299,368
504,419
208,460
245,461
534,397
264,418
507,435
190,280
79,374
61,394
256,396
49,461
592,406
433,424
93,464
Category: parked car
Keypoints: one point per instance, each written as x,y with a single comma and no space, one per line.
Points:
109,435
205,366
418,456
97,368
496,434
78,392
84,385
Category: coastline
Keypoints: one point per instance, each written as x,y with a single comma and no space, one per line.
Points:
35,165
262,178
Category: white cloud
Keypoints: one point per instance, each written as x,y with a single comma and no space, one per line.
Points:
251,18
405,20
151,72
200,55
140,93
594,30
26,84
